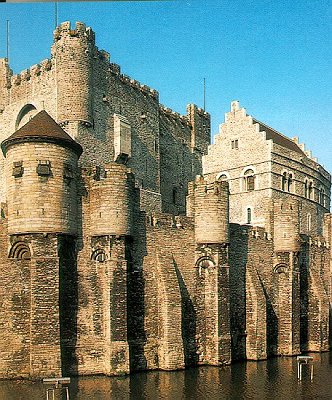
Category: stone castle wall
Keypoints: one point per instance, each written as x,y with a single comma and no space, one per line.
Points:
83,92
100,273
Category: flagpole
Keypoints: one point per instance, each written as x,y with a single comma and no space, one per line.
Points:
204,95
56,14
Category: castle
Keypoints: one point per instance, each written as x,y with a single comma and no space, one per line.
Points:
128,242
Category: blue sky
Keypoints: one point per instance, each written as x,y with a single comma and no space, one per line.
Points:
274,57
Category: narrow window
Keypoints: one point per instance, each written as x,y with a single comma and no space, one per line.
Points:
174,195
321,196
283,181
18,169
249,216
309,222
249,180
68,171
306,189
310,190
235,144
290,183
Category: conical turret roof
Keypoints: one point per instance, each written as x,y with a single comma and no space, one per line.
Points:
42,128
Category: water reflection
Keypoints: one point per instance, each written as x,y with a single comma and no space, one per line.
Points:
272,379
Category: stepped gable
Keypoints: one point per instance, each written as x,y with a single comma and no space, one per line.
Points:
278,138
42,128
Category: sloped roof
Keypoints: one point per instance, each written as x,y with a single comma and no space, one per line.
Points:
41,128
278,138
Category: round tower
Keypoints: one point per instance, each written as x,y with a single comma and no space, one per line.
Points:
110,201
286,220
73,50
211,209
40,169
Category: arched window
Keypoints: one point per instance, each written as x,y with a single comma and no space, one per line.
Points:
249,180
24,116
98,255
306,189
310,190
249,216
290,183
20,251
222,178
309,222
283,181
321,195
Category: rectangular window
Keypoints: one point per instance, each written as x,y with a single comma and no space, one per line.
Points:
68,171
250,183
18,169
235,144
44,168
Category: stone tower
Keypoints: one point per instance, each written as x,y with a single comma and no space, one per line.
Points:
73,51
41,169
41,163
102,265
286,283
211,215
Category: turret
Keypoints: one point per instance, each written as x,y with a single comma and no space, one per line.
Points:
201,123
286,225
110,202
211,215
74,51
5,76
41,165
211,210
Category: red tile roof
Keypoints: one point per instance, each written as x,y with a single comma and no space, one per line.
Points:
41,128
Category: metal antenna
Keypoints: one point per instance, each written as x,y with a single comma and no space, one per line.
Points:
7,40
204,96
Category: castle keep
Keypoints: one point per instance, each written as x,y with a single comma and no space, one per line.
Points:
129,242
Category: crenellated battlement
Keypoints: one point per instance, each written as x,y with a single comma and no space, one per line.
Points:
193,109
115,70
169,221
81,31
168,112
253,232
204,187
30,73
105,172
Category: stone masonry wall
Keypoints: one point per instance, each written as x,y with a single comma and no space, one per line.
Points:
162,328
30,339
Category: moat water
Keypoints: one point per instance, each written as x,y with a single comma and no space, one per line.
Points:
272,379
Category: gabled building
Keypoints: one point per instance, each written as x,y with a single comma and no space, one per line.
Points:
261,165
